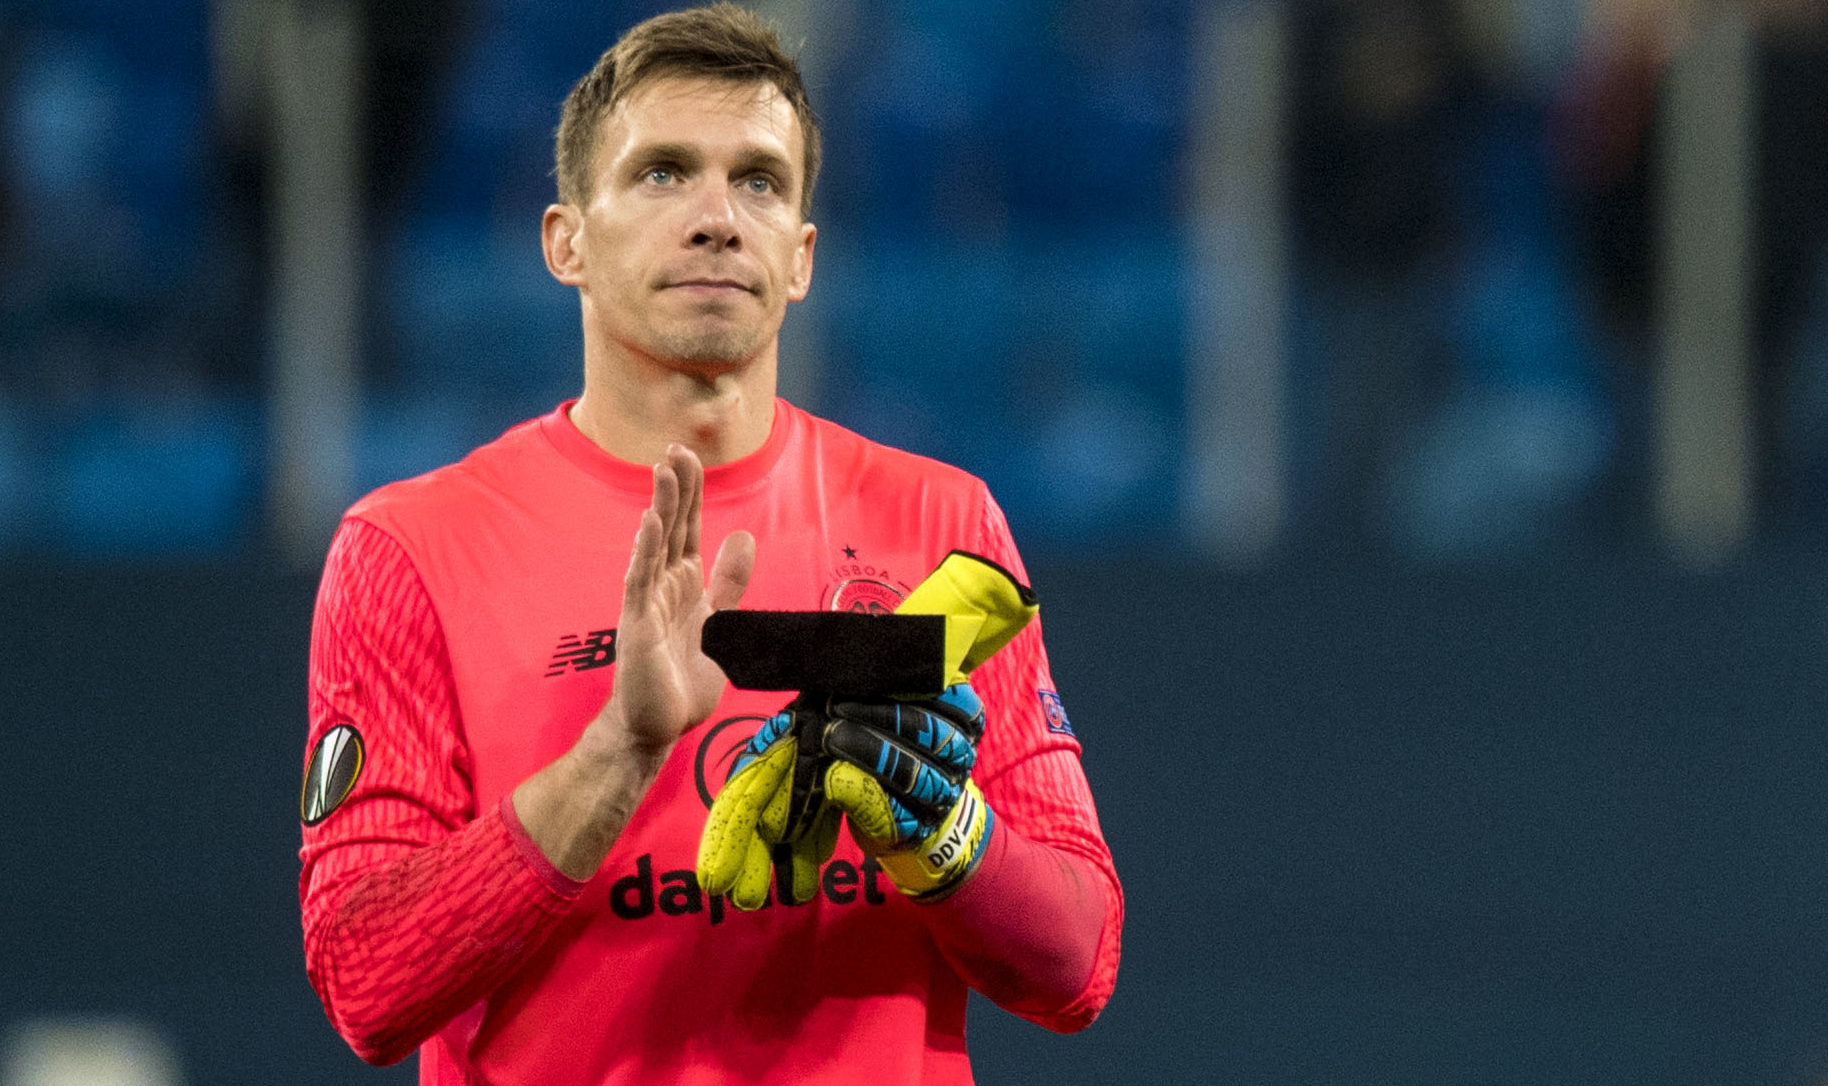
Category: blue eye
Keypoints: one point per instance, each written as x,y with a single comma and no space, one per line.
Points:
660,175
761,186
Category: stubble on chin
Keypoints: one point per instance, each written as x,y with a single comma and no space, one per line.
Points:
710,346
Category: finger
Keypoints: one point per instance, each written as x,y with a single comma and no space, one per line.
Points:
692,497
751,888
804,882
666,500
901,772
906,717
731,570
644,557
885,716
937,739
962,701
690,478
883,821
960,704
810,851
732,828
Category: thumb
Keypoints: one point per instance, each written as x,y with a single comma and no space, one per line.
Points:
730,572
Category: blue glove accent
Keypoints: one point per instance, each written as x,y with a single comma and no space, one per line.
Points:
920,753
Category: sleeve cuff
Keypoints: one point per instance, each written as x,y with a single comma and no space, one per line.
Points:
559,882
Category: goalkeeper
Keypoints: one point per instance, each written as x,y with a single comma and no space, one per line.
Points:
513,726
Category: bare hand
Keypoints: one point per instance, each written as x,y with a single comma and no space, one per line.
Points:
664,682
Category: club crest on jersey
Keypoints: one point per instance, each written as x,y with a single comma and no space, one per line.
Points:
335,764
1055,711
862,587
863,595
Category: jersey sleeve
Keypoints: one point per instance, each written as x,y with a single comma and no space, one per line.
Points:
415,905
1039,927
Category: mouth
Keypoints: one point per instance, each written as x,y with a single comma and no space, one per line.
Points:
711,286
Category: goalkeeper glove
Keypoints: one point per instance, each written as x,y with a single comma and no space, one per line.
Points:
902,773
766,802
773,804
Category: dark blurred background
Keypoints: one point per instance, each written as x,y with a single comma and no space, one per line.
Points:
1415,414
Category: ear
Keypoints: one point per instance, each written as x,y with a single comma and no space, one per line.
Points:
561,236
801,282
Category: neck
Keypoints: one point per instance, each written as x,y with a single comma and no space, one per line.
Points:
633,412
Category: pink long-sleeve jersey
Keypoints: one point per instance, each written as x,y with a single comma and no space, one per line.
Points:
464,636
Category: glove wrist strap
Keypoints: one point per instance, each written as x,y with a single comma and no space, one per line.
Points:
942,862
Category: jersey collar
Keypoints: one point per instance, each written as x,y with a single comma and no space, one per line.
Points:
719,481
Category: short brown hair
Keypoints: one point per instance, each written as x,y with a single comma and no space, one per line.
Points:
721,41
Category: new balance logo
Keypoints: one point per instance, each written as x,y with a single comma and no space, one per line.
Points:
595,649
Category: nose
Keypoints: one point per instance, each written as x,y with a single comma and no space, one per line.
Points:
713,223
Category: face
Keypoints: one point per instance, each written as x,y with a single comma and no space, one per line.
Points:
692,243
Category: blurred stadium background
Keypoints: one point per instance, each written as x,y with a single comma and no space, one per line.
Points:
1415,413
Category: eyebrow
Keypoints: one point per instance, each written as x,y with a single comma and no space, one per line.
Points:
748,158
683,154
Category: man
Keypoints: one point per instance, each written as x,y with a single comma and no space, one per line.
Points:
509,768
